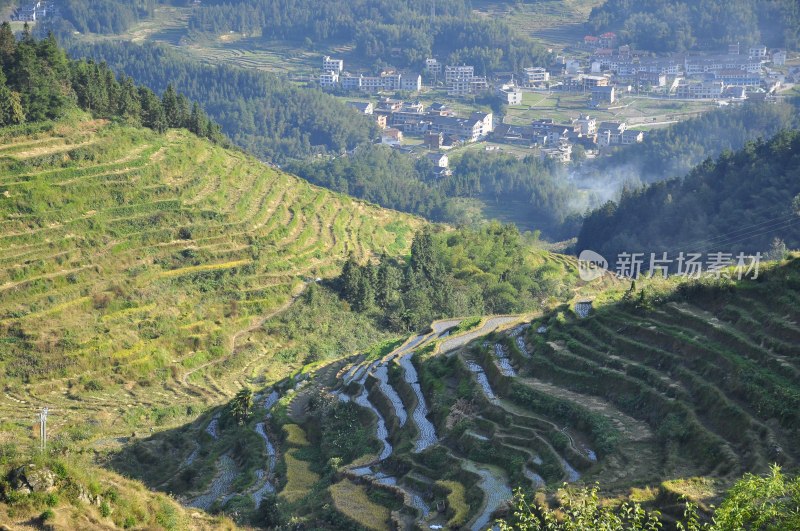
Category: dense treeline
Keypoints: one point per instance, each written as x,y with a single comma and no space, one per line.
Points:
677,25
396,31
103,16
266,115
498,178
381,175
395,180
38,82
738,203
465,272
673,151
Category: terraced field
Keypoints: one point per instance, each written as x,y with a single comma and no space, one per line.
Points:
695,385
135,264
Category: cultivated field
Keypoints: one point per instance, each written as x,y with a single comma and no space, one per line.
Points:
134,264
676,392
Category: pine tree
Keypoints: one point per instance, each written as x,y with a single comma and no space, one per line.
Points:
351,279
11,110
152,111
241,405
169,101
197,121
8,43
129,107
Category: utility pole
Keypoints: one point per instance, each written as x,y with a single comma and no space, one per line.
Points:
43,427
433,10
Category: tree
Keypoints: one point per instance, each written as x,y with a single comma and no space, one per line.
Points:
198,121
8,43
769,503
129,108
241,405
152,111
11,111
169,101
580,509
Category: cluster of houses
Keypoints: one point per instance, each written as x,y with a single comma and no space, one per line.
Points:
33,10
733,74
555,141
334,77
398,118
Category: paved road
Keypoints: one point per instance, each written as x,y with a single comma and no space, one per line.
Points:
491,324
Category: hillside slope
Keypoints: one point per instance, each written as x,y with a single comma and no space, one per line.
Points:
738,203
133,262
675,389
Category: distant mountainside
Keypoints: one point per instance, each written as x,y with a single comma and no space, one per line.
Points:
676,25
673,151
270,117
400,32
738,203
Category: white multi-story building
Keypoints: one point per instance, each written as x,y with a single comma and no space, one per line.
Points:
332,65
536,76
433,66
758,52
469,129
702,64
390,80
328,79
458,73
411,82
371,83
587,124
706,90
350,82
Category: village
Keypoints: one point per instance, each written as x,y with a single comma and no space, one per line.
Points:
599,76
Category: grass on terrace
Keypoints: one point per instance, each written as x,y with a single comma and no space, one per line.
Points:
352,501
133,264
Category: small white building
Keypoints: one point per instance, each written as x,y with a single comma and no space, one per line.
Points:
587,124
440,160
779,57
332,65
510,95
391,137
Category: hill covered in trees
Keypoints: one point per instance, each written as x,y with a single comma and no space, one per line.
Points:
678,25
738,203
38,82
543,199
398,32
675,150
268,116
102,16
470,272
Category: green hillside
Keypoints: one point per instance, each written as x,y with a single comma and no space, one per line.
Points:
133,262
738,203
675,390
